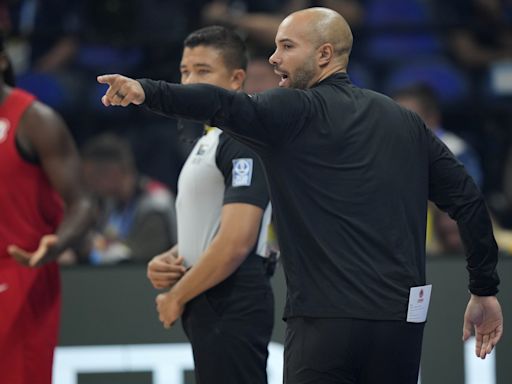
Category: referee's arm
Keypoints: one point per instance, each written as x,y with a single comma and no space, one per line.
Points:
237,235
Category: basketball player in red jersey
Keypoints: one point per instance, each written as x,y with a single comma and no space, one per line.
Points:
43,211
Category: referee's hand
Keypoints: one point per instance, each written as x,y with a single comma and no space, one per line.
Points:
165,270
169,309
483,316
121,91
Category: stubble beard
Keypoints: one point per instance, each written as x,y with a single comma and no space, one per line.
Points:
304,75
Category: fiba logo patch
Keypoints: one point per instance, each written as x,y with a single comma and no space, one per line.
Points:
4,128
242,172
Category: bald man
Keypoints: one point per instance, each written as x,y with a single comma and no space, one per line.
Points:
350,173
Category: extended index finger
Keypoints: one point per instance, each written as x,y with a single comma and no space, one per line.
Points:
106,79
113,86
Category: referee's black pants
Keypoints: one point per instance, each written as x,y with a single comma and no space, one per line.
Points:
351,351
230,326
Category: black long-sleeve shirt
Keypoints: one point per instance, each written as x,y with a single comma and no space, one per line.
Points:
350,173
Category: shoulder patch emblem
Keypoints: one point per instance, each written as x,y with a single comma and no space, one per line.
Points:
242,172
4,128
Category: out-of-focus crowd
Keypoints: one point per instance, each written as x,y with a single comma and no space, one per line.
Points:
449,61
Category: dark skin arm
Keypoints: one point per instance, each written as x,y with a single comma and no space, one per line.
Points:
43,134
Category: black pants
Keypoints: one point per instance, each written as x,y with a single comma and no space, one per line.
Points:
230,325
351,351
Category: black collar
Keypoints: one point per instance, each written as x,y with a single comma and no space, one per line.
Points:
338,77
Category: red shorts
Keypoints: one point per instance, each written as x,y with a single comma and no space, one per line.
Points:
29,322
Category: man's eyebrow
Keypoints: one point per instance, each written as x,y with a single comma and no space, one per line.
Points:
197,65
285,40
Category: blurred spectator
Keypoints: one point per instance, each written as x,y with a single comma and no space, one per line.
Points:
259,19
442,231
157,150
422,99
139,219
480,39
110,37
501,205
446,234
58,46
501,201
5,19
480,32
43,43
49,28
164,25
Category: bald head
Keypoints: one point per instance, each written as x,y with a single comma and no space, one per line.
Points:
311,45
323,25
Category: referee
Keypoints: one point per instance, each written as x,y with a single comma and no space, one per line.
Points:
223,213
350,173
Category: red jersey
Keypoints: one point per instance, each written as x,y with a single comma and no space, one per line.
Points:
29,206
29,297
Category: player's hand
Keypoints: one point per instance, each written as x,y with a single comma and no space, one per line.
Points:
121,91
165,269
483,316
43,253
169,309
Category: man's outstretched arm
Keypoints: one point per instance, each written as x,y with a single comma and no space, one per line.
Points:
269,118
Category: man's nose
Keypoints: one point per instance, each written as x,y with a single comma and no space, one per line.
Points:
274,59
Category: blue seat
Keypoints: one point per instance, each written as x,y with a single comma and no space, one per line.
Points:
106,59
449,82
46,87
382,13
398,29
395,47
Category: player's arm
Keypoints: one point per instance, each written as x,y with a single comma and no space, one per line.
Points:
43,134
236,237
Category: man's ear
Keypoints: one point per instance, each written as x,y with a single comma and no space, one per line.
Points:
237,79
325,54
